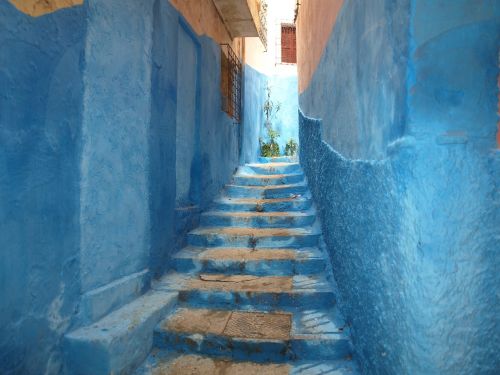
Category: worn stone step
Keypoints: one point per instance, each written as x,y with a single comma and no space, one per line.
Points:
249,335
295,203
120,341
242,291
276,191
168,363
266,261
276,219
278,159
254,237
267,180
274,168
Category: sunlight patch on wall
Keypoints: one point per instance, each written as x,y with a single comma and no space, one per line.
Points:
36,8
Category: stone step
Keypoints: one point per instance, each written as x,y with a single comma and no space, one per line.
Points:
297,203
167,363
120,341
277,191
278,159
251,335
267,180
274,219
254,237
264,262
273,168
243,291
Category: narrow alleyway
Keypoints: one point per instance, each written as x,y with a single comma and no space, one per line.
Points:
238,187
255,293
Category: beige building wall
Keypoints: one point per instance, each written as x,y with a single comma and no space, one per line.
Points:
268,61
204,18
315,22
36,8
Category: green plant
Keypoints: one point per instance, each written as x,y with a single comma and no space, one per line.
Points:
271,147
270,108
291,147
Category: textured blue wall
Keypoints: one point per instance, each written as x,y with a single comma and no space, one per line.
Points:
284,91
87,133
414,236
162,135
114,161
41,94
361,97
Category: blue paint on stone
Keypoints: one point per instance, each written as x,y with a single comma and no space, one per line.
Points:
41,91
410,216
359,87
284,91
114,213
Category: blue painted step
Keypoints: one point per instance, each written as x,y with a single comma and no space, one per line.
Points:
170,363
273,168
252,335
254,237
249,291
271,191
267,180
231,261
278,159
297,203
276,219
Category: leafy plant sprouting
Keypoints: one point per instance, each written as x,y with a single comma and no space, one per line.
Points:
291,147
270,148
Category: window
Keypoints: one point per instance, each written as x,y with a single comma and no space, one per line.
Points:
288,44
230,83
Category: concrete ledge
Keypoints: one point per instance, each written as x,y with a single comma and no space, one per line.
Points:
119,342
101,301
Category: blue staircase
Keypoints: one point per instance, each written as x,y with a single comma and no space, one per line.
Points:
255,294
252,293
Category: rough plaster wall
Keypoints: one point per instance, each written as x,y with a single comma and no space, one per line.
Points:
219,135
284,91
114,163
40,115
414,237
452,102
361,96
162,135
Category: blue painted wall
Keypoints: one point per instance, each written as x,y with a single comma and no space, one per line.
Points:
87,158
361,97
284,91
114,161
412,222
254,92
41,93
